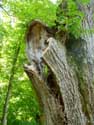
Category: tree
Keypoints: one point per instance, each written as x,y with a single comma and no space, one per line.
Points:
66,91
8,93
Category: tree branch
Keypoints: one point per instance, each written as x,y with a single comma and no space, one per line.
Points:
4,10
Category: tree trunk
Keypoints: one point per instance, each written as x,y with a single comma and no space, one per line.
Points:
8,94
66,93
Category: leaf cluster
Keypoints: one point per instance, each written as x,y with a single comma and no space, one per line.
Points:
69,17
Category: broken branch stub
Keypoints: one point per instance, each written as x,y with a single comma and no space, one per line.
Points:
36,42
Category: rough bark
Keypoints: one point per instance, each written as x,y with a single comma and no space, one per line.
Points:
59,95
66,93
84,58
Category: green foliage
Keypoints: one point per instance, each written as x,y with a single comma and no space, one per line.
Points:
46,70
84,1
70,18
34,9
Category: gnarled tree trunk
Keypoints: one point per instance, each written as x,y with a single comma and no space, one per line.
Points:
66,92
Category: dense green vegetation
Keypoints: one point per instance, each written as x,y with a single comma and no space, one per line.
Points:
15,18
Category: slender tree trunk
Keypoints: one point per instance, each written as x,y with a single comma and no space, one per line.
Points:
8,94
67,95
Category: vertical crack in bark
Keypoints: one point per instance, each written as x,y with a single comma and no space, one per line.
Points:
54,90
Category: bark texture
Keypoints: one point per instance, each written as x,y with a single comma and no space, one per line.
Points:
83,53
66,90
